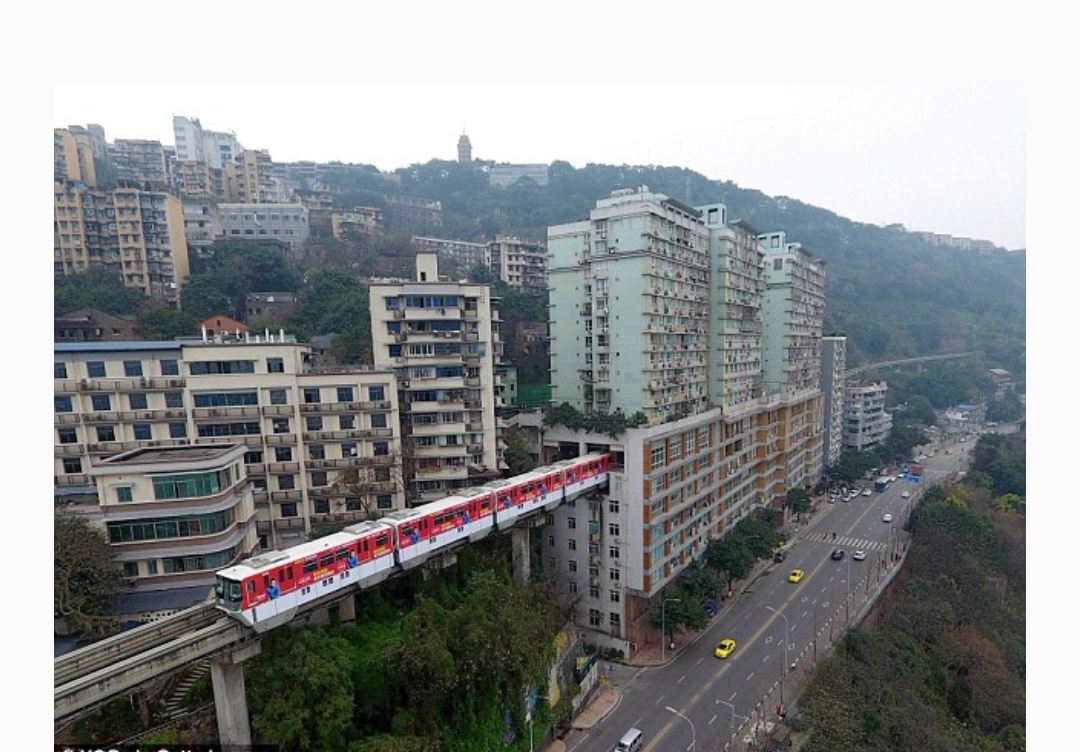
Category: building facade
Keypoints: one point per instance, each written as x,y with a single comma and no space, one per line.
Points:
833,368
866,424
137,234
521,264
283,223
321,444
442,341
173,517
658,310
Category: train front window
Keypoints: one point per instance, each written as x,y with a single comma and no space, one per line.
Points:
227,591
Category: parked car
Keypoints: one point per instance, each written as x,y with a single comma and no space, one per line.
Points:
779,556
905,494
866,491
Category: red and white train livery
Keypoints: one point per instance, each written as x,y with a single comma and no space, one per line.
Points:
268,590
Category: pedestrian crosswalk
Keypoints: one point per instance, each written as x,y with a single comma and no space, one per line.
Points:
858,544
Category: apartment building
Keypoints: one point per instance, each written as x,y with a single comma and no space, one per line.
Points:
196,144
321,445
174,516
284,223
866,424
250,179
442,341
140,162
521,264
365,220
658,310
139,234
458,256
833,382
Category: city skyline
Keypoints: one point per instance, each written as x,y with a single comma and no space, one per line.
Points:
874,154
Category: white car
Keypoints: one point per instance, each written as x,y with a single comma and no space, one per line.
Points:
858,555
886,517
866,492
905,494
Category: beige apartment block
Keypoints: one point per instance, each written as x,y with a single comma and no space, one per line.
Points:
321,445
442,341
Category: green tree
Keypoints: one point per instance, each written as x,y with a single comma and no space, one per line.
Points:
85,576
161,323
95,288
517,456
797,500
203,296
301,691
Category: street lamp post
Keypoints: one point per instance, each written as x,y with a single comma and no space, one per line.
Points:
783,669
693,734
663,626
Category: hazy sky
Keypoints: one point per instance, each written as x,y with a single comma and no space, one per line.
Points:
941,158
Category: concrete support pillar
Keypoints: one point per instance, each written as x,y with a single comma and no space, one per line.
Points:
347,610
519,546
230,698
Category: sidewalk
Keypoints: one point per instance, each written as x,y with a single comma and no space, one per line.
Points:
607,697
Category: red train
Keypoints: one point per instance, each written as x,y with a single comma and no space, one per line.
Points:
269,589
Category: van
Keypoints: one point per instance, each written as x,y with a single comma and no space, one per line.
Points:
630,742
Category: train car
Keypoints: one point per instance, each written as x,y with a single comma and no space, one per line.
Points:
431,527
267,590
515,497
584,473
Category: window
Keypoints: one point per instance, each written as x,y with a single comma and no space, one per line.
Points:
286,482
278,397
656,455
318,478
311,395
613,529
613,574
594,592
288,509
551,540
253,457
174,399
344,394
106,433
137,400
347,422
100,402
59,370
123,493
275,365
313,423
283,454
67,435
571,544
614,619
376,393
380,448
571,587
72,465
321,506
594,617
131,569
613,552
571,522
142,431
316,452
62,403
572,565
384,501
281,425
613,596
352,504
177,430
95,369
170,368
132,368
378,420
348,449
613,506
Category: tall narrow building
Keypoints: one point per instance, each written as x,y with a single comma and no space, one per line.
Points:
665,314
464,150
442,341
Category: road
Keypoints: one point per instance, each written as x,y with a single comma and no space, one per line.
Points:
775,623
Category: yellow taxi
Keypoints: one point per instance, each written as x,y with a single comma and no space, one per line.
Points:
724,648
796,575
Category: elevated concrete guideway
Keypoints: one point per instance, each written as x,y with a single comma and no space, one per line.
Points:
89,677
